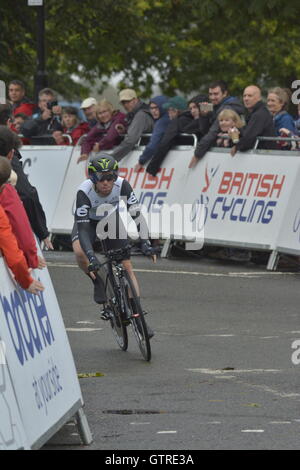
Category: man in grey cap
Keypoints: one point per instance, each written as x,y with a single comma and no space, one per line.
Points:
139,121
88,106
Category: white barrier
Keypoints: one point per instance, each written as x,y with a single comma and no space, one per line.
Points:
63,219
243,199
46,168
44,385
288,240
249,200
12,433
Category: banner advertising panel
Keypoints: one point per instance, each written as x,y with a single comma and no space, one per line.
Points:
12,434
240,200
63,219
46,170
288,240
229,201
39,357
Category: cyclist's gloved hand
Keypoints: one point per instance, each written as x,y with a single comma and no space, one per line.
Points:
94,264
146,248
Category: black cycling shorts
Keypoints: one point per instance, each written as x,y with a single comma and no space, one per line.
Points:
109,244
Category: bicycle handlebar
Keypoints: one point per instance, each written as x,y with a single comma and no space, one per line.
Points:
117,255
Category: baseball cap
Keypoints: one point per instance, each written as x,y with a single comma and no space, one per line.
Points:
127,94
177,102
88,102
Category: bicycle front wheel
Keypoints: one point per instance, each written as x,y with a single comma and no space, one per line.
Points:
117,318
137,318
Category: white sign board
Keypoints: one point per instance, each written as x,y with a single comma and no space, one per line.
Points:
63,219
12,434
46,170
2,92
35,3
38,356
289,237
244,200
240,200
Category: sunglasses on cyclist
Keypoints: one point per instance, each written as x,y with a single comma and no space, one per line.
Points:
103,177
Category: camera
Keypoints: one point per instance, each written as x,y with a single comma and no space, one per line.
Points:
50,104
206,107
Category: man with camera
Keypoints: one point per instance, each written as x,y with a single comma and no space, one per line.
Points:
47,120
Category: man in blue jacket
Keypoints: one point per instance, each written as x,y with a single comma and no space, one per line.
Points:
161,121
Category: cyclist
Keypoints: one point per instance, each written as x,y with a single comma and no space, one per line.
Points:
104,188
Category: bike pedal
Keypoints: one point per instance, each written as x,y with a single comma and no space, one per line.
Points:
105,317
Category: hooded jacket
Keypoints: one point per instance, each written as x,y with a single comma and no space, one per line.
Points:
284,119
184,123
14,209
82,128
24,106
159,128
29,197
139,122
14,257
229,102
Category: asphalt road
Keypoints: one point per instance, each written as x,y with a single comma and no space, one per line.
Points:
221,374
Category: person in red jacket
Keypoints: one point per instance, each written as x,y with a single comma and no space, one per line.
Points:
14,209
14,257
71,126
20,103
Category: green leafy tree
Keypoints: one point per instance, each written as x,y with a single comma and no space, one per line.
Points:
187,42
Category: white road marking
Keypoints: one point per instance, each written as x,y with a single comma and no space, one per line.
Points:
86,322
219,336
233,371
224,377
80,330
269,337
280,422
252,430
166,432
138,424
193,273
276,393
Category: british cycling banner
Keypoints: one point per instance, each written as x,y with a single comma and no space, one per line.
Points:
234,201
240,201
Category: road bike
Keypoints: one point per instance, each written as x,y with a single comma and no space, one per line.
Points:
123,303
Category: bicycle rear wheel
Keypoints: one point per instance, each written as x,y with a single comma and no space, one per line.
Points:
117,319
137,319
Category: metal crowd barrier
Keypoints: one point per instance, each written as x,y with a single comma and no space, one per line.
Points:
275,139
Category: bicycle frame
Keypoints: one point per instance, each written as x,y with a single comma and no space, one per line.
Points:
125,304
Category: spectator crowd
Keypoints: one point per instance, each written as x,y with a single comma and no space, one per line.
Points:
164,118
216,119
